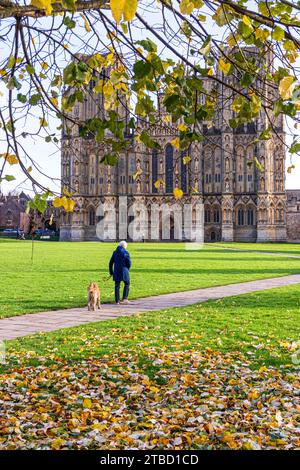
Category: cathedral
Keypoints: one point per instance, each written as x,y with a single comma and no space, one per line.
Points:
241,200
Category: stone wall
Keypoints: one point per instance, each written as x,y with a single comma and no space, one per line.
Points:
293,215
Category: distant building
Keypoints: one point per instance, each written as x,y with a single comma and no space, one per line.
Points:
293,215
11,208
13,213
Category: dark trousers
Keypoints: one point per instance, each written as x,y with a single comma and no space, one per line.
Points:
125,290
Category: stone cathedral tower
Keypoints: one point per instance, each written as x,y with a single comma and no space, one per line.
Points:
241,201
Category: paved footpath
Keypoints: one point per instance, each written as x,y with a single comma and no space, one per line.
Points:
24,325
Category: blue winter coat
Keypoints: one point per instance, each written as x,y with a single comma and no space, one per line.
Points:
119,265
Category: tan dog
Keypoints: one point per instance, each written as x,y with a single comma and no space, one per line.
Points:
93,296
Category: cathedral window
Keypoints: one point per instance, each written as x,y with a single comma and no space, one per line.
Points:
250,217
240,178
240,217
183,174
207,215
154,170
92,217
169,168
92,180
249,178
216,216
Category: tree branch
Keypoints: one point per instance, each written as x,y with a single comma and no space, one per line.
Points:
10,9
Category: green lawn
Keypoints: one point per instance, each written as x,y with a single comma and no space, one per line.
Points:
264,326
286,248
216,375
60,272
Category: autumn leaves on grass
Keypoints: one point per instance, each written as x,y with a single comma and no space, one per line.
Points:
190,400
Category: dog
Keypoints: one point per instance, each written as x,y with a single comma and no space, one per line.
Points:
93,296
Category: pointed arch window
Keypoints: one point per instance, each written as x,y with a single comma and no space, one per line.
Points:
250,217
240,217
154,169
92,218
169,168
183,173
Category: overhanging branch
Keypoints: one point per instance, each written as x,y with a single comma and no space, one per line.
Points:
10,9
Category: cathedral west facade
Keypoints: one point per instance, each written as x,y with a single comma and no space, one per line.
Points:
241,201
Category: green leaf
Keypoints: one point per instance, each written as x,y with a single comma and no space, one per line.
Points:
172,102
148,45
69,22
148,141
278,34
206,46
9,178
34,99
110,159
141,69
295,147
12,83
21,98
247,80
29,69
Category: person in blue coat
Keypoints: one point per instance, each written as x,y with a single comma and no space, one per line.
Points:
119,266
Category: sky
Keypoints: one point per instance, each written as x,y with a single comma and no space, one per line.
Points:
48,155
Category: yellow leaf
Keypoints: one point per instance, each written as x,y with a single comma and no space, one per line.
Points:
66,192
176,142
182,127
210,71
54,100
45,66
186,160
11,159
56,202
286,87
138,173
186,7
224,66
43,122
178,193
43,5
253,395
290,168
86,24
166,118
246,20
194,190
232,40
87,403
159,183
262,34
68,204
57,443
125,8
